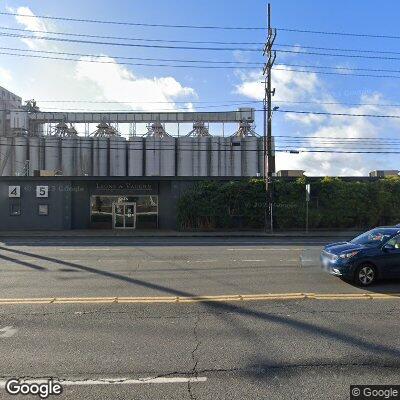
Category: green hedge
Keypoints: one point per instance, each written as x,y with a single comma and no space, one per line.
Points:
335,204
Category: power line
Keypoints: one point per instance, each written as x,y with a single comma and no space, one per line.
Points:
152,46
189,66
133,58
180,148
339,49
147,102
336,73
125,63
230,102
338,114
335,103
97,21
337,55
127,38
379,36
255,110
342,68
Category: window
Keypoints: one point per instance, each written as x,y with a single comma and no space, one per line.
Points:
43,209
395,242
15,209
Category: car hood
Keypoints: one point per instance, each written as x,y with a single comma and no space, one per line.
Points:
342,247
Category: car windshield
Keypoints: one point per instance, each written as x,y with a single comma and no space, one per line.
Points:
374,237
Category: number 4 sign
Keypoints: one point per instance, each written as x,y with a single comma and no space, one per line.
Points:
14,191
42,191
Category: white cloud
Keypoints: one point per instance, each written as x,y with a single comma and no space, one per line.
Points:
122,85
80,80
308,87
32,24
290,85
5,76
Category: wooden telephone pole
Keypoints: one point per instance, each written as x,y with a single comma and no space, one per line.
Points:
269,162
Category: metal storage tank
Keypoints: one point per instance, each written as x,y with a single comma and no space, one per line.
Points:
204,156
100,156
195,156
185,156
35,151
84,157
68,156
52,154
117,156
20,145
5,156
261,156
236,155
153,156
215,156
225,156
250,156
135,156
167,162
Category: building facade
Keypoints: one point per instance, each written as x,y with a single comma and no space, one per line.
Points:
61,203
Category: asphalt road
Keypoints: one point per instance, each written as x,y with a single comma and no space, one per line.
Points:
308,349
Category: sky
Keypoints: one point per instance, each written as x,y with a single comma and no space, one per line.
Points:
55,83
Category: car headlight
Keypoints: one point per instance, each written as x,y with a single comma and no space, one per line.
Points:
349,255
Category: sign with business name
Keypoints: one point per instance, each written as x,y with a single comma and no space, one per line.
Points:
14,191
42,191
123,188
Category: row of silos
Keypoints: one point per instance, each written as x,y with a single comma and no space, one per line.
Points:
138,156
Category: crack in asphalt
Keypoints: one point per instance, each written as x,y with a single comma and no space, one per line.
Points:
195,359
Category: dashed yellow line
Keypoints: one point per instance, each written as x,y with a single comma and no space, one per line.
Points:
197,299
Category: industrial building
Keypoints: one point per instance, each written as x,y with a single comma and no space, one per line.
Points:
49,174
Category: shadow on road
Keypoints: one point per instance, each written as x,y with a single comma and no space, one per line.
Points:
221,309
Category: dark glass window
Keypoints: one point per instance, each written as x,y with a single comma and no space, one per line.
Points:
43,209
15,209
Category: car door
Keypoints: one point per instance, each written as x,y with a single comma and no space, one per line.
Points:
391,257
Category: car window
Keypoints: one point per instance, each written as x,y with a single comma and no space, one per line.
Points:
374,237
395,242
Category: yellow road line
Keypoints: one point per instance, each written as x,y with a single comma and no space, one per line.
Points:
197,299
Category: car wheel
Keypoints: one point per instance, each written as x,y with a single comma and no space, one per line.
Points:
365,275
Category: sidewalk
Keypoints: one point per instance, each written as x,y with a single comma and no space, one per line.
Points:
176,234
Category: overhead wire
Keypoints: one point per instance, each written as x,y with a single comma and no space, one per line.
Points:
113,22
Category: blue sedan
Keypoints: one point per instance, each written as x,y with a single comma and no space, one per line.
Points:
372,255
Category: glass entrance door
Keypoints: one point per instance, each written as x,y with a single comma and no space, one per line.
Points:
124,215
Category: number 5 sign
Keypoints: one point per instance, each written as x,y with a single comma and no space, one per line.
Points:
42,191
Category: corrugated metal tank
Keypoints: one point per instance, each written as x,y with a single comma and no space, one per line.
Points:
225,156
20,155
68,156
250,156
261,156
204,156
195,156
84,157
167,162
100,157
5,156
117,156
135,156
185,156
215,156
52,153
153,156
35,157
236,155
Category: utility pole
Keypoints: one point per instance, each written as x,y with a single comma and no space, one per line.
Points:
269,164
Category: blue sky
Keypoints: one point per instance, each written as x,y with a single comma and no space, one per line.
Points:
63,80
